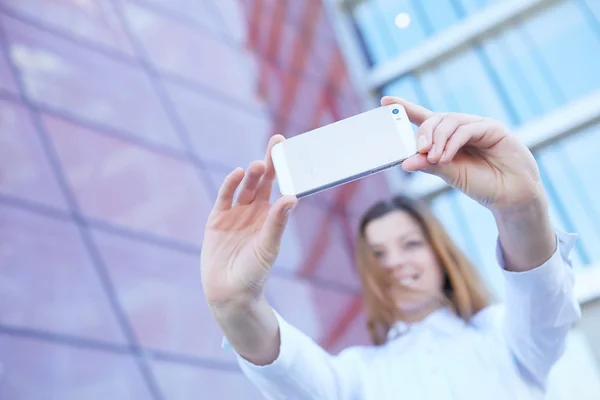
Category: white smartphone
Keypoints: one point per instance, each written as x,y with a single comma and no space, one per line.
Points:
343,151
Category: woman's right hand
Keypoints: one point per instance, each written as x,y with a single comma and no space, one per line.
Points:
242,238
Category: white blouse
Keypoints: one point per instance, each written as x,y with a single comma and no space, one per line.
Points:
505,352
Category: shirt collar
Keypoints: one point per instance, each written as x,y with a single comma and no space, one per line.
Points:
443,321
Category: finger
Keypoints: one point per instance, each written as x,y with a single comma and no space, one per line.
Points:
247,192
463,135
270,170
416,114
227,190
425,132
417,162
444,130
266,184
277,220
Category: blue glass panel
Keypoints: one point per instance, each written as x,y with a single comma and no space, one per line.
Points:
405,88
560,216
480,222
593,6
440,14
518,89
571,198
569,47
371,32
522,60
471,6
438,100
444,208
487,3
581,153
470,86
402,38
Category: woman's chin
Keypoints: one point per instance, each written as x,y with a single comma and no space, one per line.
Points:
418,307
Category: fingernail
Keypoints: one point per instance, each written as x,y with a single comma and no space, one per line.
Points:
421,143
289,210
444,155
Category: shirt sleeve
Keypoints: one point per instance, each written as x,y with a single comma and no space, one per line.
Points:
303,370
540,307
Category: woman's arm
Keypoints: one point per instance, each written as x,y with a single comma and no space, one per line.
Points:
540,304
281,361
479,157
241,241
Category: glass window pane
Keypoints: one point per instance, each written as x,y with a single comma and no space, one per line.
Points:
523,61
581,149
405,88
569,47
472,5
440,13
437,99
371,32
513,80
402,38
487,3
482,226
594,7
444,207
565,201
470,86
571,197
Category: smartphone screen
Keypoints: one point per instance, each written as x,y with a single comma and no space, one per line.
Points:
343,151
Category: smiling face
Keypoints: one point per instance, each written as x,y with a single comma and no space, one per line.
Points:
399,244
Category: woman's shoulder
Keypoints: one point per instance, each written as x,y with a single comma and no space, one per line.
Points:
358,353
489,317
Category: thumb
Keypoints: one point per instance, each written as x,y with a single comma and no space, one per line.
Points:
418,162
277,219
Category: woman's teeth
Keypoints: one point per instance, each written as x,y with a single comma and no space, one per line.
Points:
408,280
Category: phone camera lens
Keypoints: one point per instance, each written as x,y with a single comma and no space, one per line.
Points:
395,111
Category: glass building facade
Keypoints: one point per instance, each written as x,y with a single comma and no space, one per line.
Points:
120,118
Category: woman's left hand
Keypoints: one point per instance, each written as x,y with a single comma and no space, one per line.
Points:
476,155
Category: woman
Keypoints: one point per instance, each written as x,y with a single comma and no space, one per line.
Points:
435,335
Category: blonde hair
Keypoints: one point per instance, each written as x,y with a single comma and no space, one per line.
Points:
464,290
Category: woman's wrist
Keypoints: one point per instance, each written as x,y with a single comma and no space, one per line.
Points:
239,303
251,328
526,235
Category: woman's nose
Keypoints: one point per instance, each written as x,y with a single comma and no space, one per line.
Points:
396,260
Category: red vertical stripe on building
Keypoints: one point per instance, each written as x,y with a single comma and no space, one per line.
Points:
343,323
302,47
276,32
268,62
254,17
318,247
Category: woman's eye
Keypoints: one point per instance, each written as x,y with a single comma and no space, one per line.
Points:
414,243
378,254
